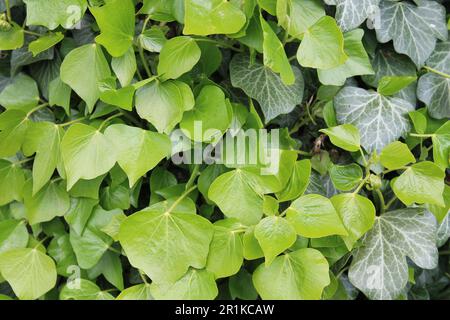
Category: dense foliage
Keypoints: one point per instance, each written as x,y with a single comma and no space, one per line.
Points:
93,204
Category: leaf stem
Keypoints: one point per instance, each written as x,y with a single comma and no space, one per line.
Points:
362,184
177,202
23,161
32,33
144,61
417,135
109,119
39,107
444,253
391,170
366,164
382,202
144,279
442,74
391,202
8,11
193,176
62,125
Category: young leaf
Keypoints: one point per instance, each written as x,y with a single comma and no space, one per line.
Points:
80,148
92,61
389,86
423,182
11,38
178,56
322,46
296,16
21,93
116,22
346,178
345,136
43,43
125,67
138,151
13,235
313,216
298,182
12,180
30,272
299,275
396,155
275,235
262,84
87,290
379,267
137,292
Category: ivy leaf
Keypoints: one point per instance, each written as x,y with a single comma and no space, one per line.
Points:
322,46
443,233
262,84
13,126
61,251
50,202
296,16
396,155
12,180
21,93
357,63
91,59
299,275
178,238
44,43
125,67
274,235
44,138
13,235
59,94
152,39
30,272
347,177
313,216
53,13
194,285
116,22
373,114
80,148
441,146
12,38
357,214
162,104
345,136
226,255
212,110
137,292
413,28
379,267
138,150
350,14
297,183
423,182
389,86
434,88
79,213
205,17
86,290
178,56
274,55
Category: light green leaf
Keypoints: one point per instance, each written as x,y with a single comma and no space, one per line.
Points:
350,14
299,275
92,61
275,235
434,87
212,111
178,56
44,43
357,63
44,138
313,216
379,267
138,151
59,94
396,155
13,126
322,46
50,202
194,285
389,86
357,214
116,22
30,272
137,292
13,235
423,182
347,177
21,93
226,255
52,13
86,153
79,213
125,67
380,120
12,180
84,290
12,38
262,84
252,249
110,266
152,39
162,104
345,136
178,239
298,182
296,16
205,17
441,146
274,55
414,29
